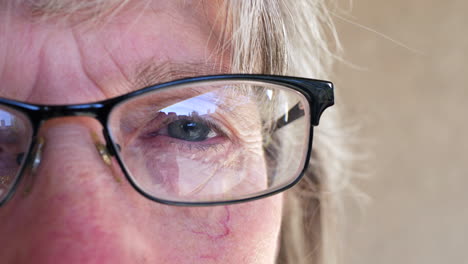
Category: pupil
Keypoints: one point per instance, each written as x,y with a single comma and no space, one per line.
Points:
188,130
190,126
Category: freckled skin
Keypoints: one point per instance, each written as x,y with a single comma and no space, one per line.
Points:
76,211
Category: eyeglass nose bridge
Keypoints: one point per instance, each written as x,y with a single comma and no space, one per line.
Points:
98,111
95,110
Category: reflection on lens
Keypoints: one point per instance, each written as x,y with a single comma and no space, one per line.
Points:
15,138
216,141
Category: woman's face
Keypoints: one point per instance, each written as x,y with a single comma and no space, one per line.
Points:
76,211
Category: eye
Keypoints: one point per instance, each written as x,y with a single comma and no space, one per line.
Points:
190,130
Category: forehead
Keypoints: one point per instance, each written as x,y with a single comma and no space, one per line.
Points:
144,44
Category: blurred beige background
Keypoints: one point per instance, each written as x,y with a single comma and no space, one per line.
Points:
412,107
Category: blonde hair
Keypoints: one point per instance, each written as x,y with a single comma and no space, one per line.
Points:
294,37
291,37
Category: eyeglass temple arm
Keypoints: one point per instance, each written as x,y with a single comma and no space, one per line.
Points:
322,98
296,112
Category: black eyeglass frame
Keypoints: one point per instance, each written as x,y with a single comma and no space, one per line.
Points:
318,93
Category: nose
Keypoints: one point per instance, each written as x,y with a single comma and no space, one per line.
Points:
76,211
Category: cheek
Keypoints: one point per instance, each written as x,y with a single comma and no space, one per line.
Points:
242,233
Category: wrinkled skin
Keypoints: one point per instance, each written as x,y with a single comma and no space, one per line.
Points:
76,211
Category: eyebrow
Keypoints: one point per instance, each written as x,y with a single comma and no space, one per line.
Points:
151,72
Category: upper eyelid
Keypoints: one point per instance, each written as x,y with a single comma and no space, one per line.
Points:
154,105
162,102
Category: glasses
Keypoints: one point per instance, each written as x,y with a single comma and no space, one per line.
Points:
198,141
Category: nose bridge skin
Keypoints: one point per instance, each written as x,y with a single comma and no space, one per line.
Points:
69,148
74,211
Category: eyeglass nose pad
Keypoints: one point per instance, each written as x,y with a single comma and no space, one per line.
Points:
102,149
105,153
34,163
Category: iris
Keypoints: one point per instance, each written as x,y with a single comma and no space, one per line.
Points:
188,130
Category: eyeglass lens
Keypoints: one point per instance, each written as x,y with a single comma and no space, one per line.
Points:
212,141
15,139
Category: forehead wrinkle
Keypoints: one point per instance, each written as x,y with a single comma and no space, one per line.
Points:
151,73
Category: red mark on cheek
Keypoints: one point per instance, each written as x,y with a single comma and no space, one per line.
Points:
211,222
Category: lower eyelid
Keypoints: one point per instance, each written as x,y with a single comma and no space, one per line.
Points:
166,143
